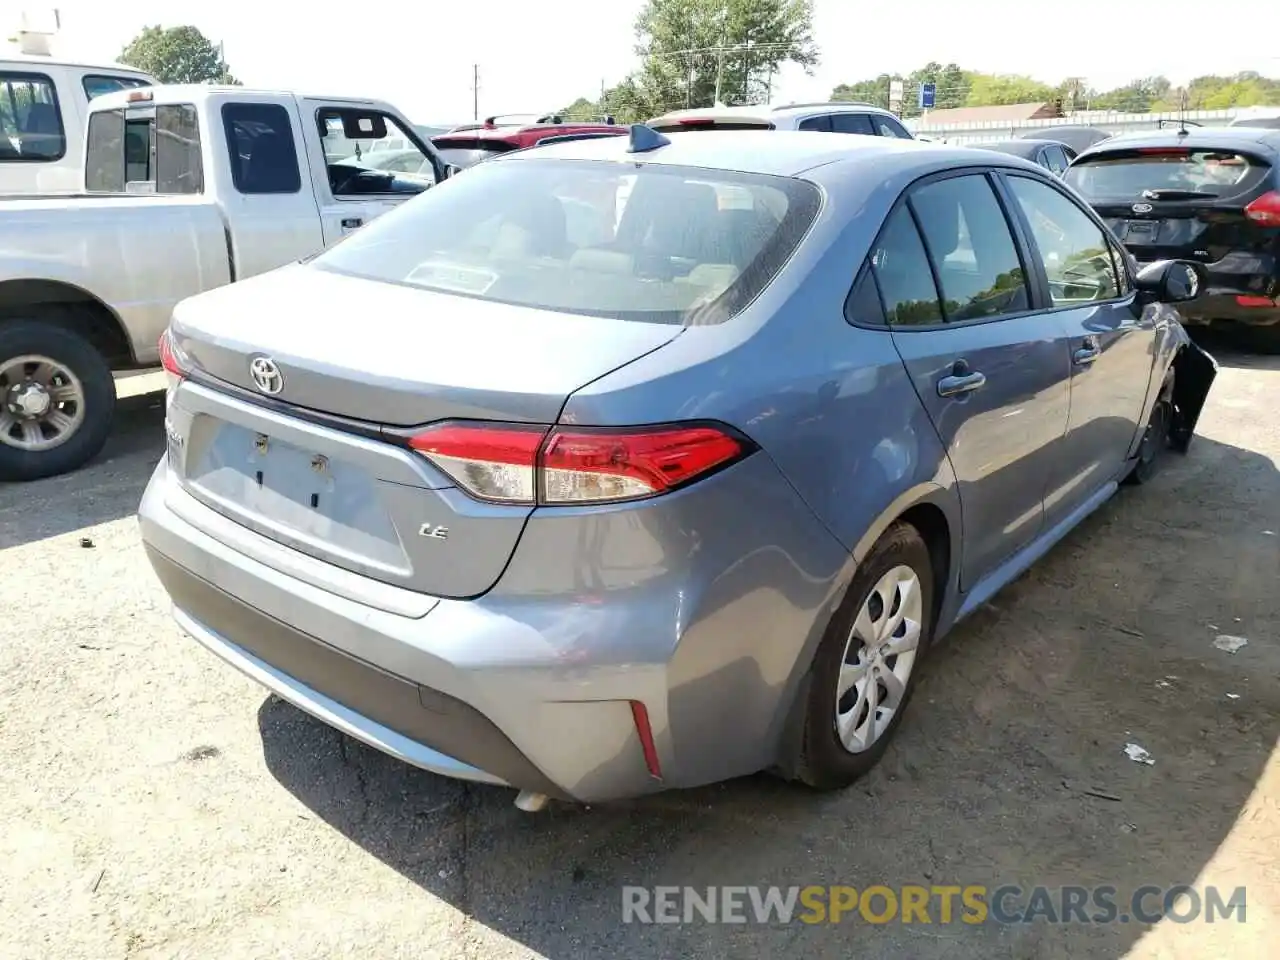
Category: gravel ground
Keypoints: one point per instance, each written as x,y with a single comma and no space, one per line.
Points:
157,804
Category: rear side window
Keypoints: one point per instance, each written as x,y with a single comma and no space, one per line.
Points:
973,252
903,274
96,84
822,124
648,243
852,123
261,146
1182,173
147,150
30,121
1076,255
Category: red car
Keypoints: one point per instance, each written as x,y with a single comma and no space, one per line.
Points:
467,145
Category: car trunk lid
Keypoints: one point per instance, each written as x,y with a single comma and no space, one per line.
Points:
321,464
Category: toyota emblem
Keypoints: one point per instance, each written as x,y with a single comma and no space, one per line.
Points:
1142,208
266,375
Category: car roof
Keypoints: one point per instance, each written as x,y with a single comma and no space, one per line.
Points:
786,153
1196,138
1019,148
766,113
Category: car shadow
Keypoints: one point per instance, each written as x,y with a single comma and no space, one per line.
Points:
108,488
1230,350
1010,769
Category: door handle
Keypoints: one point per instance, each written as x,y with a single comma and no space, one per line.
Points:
958,384
350,223
1089,351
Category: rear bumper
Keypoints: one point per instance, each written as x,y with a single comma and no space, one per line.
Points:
1224,307
532,685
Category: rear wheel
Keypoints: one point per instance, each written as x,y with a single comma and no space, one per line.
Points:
57,399
866,666
1155,438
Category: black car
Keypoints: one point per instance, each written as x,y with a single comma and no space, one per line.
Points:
1211,195
1077,136
1050,154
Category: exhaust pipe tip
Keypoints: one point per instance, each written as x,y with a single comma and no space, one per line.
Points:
531,802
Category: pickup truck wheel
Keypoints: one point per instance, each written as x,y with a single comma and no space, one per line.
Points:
57,399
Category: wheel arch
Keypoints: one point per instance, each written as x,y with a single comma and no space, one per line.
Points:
71,307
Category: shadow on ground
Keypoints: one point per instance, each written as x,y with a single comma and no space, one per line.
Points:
1010,769
107,489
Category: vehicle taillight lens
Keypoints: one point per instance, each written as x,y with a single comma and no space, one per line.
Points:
518,464
171,359
1265,210
492,463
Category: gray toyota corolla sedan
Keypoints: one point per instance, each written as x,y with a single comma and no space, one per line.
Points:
643,462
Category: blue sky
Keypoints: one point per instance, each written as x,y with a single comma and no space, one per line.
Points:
542,55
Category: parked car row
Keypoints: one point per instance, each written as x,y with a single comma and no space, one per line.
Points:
657,459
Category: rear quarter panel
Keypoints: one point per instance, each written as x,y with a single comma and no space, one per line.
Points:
137,255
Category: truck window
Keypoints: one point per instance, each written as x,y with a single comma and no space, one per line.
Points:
96,84
145,150
30,121
260,141
356,142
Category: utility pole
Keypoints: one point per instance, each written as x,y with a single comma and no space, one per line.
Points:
475,91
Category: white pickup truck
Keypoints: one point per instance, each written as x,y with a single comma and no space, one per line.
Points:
186,188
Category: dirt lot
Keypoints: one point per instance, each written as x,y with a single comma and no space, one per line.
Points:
156,804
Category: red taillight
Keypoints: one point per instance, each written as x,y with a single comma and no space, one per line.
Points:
1265,210
1163,152
1255,302
169,356
696,122
492,463
519,464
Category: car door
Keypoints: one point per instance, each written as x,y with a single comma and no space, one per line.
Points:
1112,339
991,370
347,198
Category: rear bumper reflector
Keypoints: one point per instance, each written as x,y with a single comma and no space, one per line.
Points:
640,714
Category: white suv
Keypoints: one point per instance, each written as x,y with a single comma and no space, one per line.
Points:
839,116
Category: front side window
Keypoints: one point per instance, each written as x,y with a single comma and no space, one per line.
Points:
261,146
96,84
1075,252
885,127
822,124
973,252
354,140
145,150
652,243
30,121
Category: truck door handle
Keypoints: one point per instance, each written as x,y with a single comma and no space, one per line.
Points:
957,383
350,223
1089,351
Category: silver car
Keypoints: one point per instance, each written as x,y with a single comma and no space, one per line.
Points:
645,462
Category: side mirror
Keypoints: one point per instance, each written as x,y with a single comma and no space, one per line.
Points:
1170,281
451,171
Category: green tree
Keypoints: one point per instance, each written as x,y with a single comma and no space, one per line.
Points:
694,50
177,55
991,89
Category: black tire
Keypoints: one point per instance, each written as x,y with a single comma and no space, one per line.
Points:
824,763
1155,438
89,366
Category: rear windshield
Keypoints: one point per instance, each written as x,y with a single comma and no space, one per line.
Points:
651,243
707,123
468,151
1127,175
